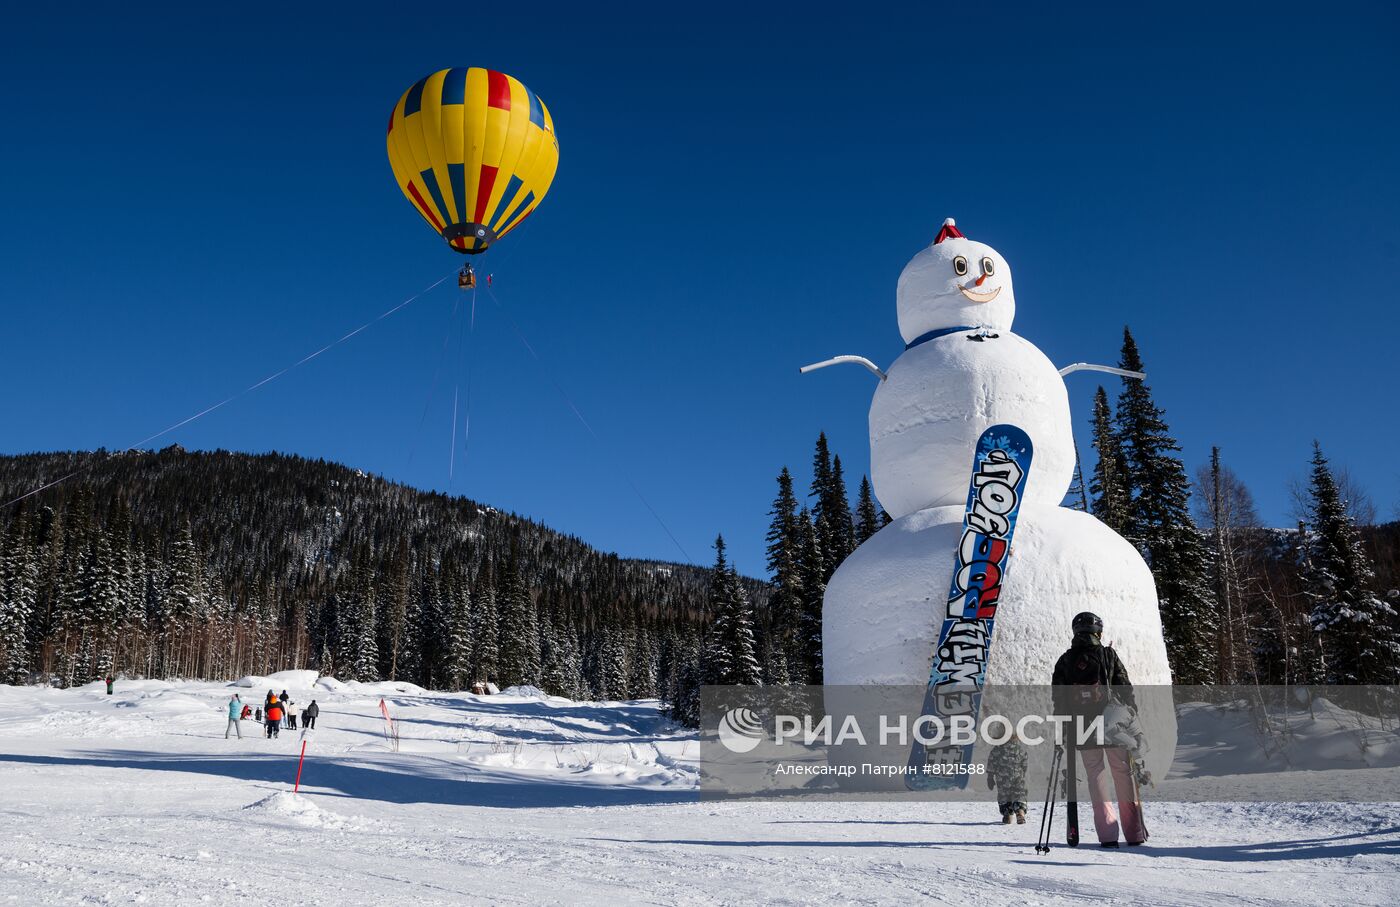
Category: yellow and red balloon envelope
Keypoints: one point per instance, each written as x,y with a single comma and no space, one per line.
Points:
474,151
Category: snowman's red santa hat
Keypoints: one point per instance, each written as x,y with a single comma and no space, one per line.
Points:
950,231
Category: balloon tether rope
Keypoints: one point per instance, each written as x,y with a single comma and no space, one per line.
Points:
232,397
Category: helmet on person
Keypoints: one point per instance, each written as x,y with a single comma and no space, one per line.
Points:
1087,622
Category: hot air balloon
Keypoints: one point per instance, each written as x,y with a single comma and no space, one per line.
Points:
474,150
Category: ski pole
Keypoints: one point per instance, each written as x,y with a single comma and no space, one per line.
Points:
1047,814
296,787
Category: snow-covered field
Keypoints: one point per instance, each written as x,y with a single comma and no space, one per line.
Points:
138,798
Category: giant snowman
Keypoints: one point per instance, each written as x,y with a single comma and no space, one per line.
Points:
962,371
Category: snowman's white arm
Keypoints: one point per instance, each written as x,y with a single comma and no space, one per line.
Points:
1086,367
837,360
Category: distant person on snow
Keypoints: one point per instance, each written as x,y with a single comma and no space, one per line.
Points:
290,716
1006,774
110,680
274,717
257,715
235,708
308,715
246,713
1087,679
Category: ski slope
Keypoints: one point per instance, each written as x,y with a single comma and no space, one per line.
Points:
525,799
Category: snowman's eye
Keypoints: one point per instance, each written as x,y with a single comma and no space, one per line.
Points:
960,266
989,267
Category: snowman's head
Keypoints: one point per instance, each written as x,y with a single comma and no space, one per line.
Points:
952,283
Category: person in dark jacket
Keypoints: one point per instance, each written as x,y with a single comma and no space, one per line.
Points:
289,716
308,715
1087,678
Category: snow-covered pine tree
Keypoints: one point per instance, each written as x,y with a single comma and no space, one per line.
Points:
868,520
811,569
101,604
19,587
182,605
642,664
731,651
839,509
1111,497
518,632
1357,627
432,619
1160,524
831,512
393,611
687,675
559,655
610,675
357,645
485,628
785,603
459,639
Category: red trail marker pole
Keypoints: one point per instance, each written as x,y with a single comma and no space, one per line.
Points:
296,787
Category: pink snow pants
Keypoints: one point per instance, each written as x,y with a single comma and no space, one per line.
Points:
1106,813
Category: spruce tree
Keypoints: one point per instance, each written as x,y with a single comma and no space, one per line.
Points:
559,654
823,521
731,652
19,582
1160,524
518,632
642,665
1109,488
1356,626
611,674
839,510
868,520
365,660
785,603
811,570
459,640
485,629
101,604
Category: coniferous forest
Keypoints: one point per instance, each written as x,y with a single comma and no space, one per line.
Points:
215,565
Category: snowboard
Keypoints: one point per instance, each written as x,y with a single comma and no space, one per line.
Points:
1000,466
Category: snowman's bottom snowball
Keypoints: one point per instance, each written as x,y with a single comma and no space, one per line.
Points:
878,618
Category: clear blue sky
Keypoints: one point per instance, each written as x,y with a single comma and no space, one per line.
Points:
192,200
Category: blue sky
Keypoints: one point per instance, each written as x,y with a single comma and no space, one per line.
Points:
194,199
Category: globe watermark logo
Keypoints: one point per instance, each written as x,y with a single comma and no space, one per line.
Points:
740,730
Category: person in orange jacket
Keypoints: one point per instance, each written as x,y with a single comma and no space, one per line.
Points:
273,714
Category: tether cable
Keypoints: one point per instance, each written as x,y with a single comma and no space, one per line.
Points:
232,397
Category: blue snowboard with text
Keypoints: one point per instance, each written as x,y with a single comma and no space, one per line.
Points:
1000,468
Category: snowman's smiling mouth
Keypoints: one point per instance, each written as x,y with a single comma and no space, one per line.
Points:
980,297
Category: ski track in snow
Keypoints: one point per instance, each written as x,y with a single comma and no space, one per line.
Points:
137,798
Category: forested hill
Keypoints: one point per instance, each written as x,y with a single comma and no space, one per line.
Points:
217,564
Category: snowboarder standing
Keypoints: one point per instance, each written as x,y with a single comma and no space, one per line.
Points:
308,715
110,680
1088,678
235,714
1006,774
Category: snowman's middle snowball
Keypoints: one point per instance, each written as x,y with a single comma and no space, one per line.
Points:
939,398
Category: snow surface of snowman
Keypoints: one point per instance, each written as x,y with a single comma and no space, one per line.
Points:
963,371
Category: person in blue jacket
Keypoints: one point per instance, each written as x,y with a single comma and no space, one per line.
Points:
235,709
